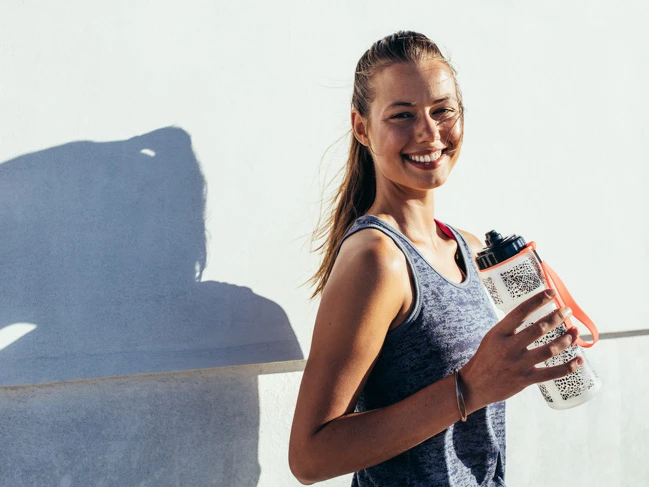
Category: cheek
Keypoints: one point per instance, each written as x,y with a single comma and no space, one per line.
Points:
398,136
454,135
389,140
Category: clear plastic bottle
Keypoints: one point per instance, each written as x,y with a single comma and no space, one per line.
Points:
512,272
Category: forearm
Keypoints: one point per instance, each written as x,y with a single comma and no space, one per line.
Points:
359,440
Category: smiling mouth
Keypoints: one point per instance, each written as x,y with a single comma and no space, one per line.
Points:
427,158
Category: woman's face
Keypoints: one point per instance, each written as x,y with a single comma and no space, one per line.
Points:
414,128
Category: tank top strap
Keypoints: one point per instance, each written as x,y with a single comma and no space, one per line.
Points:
413,258
408,248
371,221
466,251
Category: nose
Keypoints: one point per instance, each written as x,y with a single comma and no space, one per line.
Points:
426,129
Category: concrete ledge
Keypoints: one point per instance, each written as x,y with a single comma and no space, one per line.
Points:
234,371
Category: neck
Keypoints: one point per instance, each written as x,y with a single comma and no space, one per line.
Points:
412,214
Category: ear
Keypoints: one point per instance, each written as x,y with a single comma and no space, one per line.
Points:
359,126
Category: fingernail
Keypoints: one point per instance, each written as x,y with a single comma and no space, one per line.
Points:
550,293
575,335
565,312
580,361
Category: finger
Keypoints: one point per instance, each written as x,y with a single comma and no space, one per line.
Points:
542,374
517,316
543,325
554,348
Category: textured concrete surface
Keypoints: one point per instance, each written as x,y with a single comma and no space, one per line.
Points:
230,427
197,428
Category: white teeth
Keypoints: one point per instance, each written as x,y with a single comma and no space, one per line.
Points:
427,158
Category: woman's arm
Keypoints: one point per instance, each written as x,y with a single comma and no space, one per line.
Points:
368,289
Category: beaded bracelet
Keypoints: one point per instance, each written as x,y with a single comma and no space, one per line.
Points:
460,397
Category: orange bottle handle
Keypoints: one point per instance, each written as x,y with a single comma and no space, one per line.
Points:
564,298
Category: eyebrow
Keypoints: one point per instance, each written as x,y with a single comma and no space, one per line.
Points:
411,104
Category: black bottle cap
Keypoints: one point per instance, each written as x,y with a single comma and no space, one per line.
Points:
499,249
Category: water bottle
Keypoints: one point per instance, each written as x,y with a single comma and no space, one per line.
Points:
512,271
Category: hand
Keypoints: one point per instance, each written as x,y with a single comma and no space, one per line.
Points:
503,366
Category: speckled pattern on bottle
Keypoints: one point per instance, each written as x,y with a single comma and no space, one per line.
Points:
441,334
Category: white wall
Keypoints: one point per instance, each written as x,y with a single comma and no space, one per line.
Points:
229,426
554,150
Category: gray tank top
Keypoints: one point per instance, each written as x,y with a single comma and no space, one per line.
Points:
441,333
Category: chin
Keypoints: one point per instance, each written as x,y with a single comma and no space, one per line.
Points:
436,179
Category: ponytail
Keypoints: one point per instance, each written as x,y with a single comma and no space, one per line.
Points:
352,199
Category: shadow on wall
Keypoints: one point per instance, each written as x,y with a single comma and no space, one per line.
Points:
102,246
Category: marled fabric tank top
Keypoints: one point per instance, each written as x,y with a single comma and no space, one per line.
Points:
441,333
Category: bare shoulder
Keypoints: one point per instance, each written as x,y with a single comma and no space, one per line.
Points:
365,293
474,242
370,251
370,277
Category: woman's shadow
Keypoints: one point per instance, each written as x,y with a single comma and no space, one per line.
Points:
102,247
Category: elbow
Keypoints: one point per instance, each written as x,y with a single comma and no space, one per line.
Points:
301,468
302,478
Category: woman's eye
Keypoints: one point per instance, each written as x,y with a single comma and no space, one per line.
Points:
444,113
401,116
444,110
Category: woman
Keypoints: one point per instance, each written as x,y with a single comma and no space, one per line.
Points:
407,373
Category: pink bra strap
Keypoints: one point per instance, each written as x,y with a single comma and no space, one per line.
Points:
445,229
